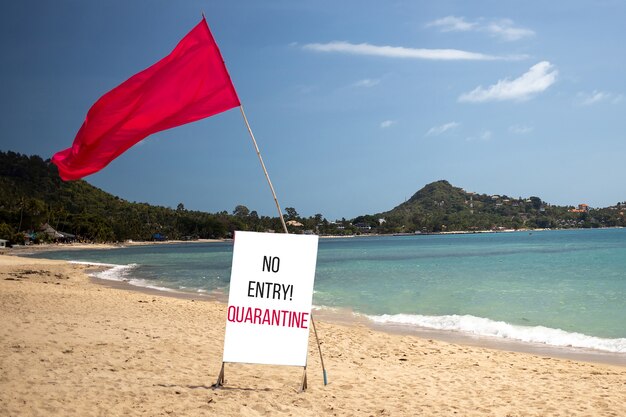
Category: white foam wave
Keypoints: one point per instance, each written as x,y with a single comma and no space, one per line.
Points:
325,308
113,272
145,284
92,263
486,327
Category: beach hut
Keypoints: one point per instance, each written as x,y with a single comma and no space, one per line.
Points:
3,243
57,236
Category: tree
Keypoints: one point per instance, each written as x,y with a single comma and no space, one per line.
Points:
241,211
536,202
6,231
291,212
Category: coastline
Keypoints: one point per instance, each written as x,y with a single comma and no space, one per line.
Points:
49,247
75,347
566,349
349,318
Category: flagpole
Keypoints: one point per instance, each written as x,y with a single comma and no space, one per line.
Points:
282,220
267,176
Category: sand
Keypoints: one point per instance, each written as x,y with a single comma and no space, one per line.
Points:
72,347
47,247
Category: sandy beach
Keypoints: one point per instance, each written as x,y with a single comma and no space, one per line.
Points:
46,247
72,347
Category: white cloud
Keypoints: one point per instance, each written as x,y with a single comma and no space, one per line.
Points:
387,123
484,136
520,129
588,99
438,130
367,82
402,52
536,80
504,29
452,24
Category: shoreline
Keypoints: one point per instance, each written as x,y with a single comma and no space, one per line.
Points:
46,247
53,247
74,347
347,317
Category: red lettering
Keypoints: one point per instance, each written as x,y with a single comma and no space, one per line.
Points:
270,317
233,309
304,321
248,318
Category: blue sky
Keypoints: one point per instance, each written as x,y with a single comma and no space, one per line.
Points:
355,104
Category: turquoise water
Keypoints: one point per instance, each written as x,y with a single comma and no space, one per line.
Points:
557,287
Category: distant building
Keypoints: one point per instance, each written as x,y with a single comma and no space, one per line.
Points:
3,243
56,235
582,208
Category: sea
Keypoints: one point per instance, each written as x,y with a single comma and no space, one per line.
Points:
561,288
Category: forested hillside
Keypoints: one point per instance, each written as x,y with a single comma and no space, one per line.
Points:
441,207
32,195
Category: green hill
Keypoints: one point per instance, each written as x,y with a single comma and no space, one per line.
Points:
32,194
441,207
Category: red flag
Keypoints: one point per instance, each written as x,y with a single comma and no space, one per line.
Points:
189,84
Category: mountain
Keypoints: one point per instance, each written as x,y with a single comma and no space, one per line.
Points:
436,196
440,207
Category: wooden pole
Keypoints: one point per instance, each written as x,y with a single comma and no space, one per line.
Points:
267,177
319,348
282,220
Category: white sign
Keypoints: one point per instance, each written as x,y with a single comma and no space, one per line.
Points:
270,297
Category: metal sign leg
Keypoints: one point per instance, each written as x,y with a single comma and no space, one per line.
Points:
220,378
304,381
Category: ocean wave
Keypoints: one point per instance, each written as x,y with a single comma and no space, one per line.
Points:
485,327
145,284
93,263
123,273
112,272
324,308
